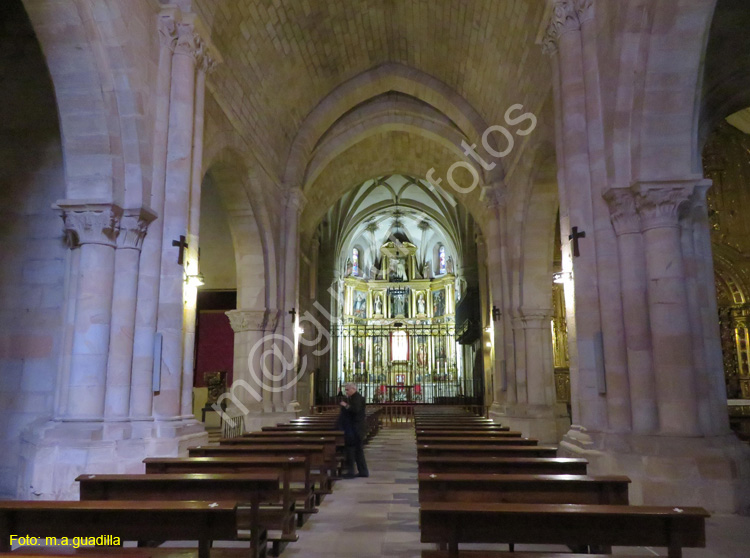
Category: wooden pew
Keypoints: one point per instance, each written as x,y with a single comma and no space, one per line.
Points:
502,465
520,488
469,433
472,427
304,437
454,523
315,453
295,474
477,450
487,440
251,488
204,521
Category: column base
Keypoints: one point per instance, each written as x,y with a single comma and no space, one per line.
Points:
546,423
54,453
712,472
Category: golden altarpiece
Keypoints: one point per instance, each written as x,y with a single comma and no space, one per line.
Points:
396,336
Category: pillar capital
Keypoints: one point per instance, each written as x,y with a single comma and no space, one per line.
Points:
494,195
90,221
253,320
296,199
622,211
658,203
192,38
167,27
564,19
133,227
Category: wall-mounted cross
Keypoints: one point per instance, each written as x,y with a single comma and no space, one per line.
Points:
183,246
293,312
574,236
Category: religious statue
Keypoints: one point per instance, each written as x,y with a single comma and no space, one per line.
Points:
420,304
378,304
399,305
426,269
398,270
449,265
349,268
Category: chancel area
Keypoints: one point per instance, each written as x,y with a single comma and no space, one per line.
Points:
217,217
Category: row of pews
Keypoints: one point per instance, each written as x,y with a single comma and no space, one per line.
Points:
256,488
479,482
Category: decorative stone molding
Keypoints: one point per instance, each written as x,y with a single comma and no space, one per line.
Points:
167,28
584,10
186,40
247,320
659,203
133,227
622,211
564,19
698,199
90,222
533,318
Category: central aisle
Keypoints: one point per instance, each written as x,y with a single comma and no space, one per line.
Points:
375,516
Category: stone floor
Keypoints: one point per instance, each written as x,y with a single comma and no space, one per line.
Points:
378,516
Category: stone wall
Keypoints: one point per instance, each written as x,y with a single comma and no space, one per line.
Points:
34,258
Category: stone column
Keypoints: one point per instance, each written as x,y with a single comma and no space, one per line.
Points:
177,188
658,205
204,64
587,370
92,228
119,365
249,327
285,399
141,394
635,306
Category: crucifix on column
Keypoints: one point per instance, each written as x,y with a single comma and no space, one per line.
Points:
293,312
183,246
574,236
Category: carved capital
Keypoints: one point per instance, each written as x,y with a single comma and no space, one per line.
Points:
247,320
90,222
205,60
622,211
133,227
564,19
187,39
659,203
167,28
584,10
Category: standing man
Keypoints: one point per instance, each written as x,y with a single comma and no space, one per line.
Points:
353,422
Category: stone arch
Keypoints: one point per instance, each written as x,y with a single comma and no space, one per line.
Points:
377,81
101,83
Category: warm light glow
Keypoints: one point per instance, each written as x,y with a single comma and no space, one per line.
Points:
299,330
488,344
194,281
488,329
562,277
400,345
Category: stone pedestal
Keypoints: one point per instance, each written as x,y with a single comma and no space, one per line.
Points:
546,423
712,472
54,453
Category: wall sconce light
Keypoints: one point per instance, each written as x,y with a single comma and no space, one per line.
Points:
299,330
194,281
561,277
488,329
495,313
488,344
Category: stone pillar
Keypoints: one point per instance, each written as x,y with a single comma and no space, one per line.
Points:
286,398
119,365
658,205
177,188
92,228
141,394
635,306
204,64
588,391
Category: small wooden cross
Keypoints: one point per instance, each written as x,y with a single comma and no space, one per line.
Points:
183,246
293,312
574,236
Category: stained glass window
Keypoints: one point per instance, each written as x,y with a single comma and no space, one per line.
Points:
441,255
355,262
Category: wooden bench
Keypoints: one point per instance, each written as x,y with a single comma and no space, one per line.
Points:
204,521
487,440
469,433
295,474
471,427
520,488
477,450
453,523
247,488
503,465
315,453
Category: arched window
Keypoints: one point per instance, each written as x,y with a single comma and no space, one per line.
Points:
441,258
355,262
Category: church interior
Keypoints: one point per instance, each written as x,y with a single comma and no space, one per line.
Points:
217,213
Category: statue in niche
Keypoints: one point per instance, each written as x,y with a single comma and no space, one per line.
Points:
449,265
426,269
349,268
398,269
421,306
378,304
399,305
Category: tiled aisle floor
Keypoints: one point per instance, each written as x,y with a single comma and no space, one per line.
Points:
378,516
